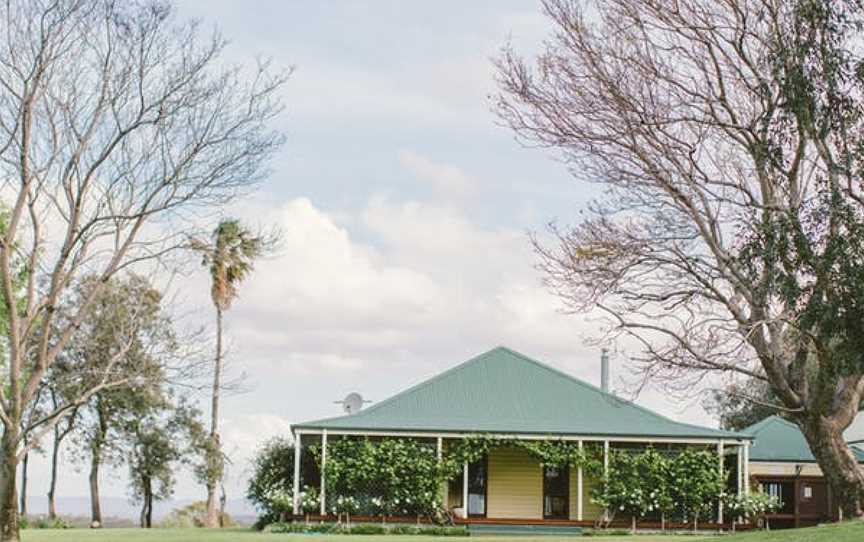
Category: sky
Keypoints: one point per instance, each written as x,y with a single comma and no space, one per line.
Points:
405,209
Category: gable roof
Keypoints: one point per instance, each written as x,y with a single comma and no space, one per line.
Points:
776,439
502,391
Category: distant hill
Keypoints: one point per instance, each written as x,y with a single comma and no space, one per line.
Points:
121,508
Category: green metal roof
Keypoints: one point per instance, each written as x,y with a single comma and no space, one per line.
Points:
776,439
503,391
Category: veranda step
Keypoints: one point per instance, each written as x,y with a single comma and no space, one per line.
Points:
523,530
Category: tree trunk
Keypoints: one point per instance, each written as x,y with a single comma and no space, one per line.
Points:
149,508
95,508
836,460
146,518
8,489
52,486
96,447
212,518
223,502
23,507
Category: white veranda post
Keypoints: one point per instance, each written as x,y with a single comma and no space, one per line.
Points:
740,470
439,450
606,472
746,469
465,489
323,472
720,466
298,449
579,487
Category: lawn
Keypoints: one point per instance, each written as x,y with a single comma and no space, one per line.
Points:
849,532
245,535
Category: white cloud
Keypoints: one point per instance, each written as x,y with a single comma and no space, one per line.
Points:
424,280
444,177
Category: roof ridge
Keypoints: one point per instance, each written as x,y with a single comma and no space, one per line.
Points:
765,422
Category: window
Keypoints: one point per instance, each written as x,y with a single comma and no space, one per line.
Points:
783,490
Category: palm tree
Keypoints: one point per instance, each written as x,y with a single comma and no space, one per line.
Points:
229,255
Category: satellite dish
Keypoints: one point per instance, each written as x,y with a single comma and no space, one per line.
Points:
353,403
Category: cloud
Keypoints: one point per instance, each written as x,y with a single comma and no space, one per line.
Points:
444,177
394,281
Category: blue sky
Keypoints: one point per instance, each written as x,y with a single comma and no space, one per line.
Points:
405,209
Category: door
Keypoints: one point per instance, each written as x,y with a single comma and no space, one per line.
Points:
477,477
556,493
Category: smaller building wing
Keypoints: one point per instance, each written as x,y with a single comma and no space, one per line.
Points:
779,440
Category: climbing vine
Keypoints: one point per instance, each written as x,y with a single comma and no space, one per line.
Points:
403,476
549,453
384,477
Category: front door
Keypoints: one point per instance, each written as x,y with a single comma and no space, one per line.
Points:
556,493
477,475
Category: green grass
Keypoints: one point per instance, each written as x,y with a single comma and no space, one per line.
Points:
848,532
245,535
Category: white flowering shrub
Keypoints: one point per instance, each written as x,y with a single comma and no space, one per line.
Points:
756,505
688,483
390,476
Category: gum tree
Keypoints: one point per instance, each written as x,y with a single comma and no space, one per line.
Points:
117,123
726,137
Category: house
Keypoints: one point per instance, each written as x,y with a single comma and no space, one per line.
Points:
506,394
782,465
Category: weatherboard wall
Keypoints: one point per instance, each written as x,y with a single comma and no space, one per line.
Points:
515,489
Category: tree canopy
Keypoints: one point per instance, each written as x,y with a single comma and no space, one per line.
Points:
727,138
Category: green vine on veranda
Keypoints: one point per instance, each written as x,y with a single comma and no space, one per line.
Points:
556,453
404,476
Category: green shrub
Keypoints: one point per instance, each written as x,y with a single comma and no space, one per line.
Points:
45,523
405,528
363,529
445,531
272,481
193,515
367,528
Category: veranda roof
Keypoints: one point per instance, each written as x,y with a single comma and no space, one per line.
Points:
779,440
505,392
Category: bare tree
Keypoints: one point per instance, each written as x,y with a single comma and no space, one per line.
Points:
116,124
729,239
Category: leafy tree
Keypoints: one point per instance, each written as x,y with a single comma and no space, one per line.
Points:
272,482
729,237
126,334
155,443
229,256
741,405
118,124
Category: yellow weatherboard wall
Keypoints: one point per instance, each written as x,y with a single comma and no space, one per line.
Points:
590,511
515,485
